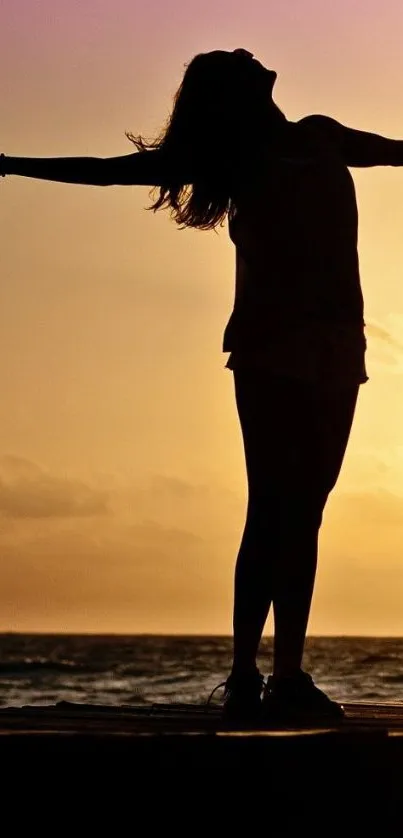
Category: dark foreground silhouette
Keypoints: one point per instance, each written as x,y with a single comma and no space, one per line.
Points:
296,333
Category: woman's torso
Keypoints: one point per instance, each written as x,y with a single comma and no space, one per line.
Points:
295,230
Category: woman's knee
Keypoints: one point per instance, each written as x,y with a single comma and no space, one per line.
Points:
287,510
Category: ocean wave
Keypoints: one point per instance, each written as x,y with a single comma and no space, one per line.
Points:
130,670
29,665
371,659
393,679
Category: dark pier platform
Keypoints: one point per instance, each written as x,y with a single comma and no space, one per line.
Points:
171,762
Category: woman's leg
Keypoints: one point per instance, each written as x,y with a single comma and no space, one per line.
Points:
261,401
253,591
294,438
325,423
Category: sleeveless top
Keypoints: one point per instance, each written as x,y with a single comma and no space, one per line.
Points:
298,306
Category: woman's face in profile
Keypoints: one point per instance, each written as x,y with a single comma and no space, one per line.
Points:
263,73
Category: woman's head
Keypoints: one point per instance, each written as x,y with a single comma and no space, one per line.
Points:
225,91
223,113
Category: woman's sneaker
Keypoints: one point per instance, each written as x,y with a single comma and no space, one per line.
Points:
242,698
296,700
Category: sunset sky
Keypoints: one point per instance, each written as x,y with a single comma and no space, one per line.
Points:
122,477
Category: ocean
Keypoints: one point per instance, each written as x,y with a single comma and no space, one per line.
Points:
141,669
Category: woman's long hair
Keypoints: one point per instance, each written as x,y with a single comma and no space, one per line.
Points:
220,118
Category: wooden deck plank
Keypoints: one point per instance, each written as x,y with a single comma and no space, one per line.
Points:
182,718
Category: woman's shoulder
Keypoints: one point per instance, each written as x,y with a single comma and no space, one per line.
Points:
320,126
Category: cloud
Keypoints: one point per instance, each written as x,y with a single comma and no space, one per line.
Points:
373,509
154,533
167,565
388,348
161,484
208,509
382,334
102,575
29,491
366,527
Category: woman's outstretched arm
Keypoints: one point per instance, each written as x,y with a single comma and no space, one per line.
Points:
361,148
144,168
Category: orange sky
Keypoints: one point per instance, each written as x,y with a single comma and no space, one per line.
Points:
122,482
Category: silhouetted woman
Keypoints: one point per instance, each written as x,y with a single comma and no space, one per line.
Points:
295,336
